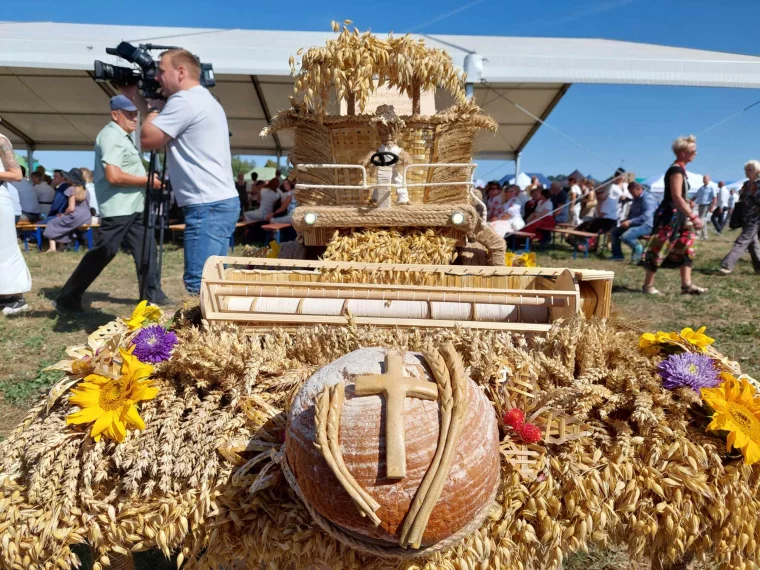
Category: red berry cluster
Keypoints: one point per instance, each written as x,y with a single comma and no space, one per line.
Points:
528,432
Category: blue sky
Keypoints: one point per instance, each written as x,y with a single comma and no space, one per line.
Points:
630,123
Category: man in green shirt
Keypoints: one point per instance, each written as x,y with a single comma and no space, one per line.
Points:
120,181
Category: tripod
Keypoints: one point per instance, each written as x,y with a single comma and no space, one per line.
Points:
155,215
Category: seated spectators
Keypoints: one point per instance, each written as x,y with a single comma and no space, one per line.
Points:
45,192
284,214
559,203
76,214
61,199
269,196
508,219
91,198
493,199
30,206
542,221
254,197
604,220
639,223
588,200
532,203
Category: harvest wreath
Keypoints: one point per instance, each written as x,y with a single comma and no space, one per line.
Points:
598,436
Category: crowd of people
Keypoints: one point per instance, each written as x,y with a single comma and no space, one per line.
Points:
625,211
193,128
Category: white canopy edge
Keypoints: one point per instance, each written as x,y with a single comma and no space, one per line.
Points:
50,102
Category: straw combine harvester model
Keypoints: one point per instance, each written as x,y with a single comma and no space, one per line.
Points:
376,192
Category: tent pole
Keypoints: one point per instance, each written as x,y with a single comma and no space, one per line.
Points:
29,160
517,166
473,67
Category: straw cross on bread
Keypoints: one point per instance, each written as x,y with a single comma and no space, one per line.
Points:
395,387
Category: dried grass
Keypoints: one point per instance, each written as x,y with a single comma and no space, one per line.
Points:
202,479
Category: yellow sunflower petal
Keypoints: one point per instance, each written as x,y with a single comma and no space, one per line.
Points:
133,419
731,441
148,393
119,429
96,379
85,399
647,340
751,452
84,416
102,423
133,368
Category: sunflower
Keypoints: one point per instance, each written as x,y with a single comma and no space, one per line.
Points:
697,338
110,402
142,315
736,411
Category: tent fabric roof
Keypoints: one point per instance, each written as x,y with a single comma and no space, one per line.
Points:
49,99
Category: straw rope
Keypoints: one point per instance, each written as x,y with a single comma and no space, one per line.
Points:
406,216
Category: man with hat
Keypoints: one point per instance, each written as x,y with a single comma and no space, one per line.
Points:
120,181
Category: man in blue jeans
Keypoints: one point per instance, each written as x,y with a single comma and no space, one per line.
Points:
639,223
193,127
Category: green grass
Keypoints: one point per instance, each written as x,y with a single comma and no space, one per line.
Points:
33,340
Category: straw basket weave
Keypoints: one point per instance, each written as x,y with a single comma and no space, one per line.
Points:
447,137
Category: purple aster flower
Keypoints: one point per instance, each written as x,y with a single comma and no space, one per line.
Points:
690,370
154,344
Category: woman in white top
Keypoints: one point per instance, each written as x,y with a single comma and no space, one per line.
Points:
542,221
575,196
269,196
92,200
14,274
509,219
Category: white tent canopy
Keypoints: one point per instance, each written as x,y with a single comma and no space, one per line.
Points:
50,101
522,180
657,183
736,185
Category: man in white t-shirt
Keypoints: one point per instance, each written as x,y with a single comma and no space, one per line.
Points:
193,127
30,206
721,208
574,195
45,192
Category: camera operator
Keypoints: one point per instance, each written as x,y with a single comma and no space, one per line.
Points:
193,127
120,181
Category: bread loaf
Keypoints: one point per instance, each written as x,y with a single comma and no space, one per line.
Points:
469,487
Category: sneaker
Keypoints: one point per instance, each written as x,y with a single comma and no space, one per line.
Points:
724,271
617,258
64,305
5,301
18,306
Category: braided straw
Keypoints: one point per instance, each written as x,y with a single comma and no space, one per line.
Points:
412,522
455,368
385,550
321,419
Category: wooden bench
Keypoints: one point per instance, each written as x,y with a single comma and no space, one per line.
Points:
181,228
39,227
527,236
584,238
275,229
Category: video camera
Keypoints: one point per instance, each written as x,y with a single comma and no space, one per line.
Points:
145,72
